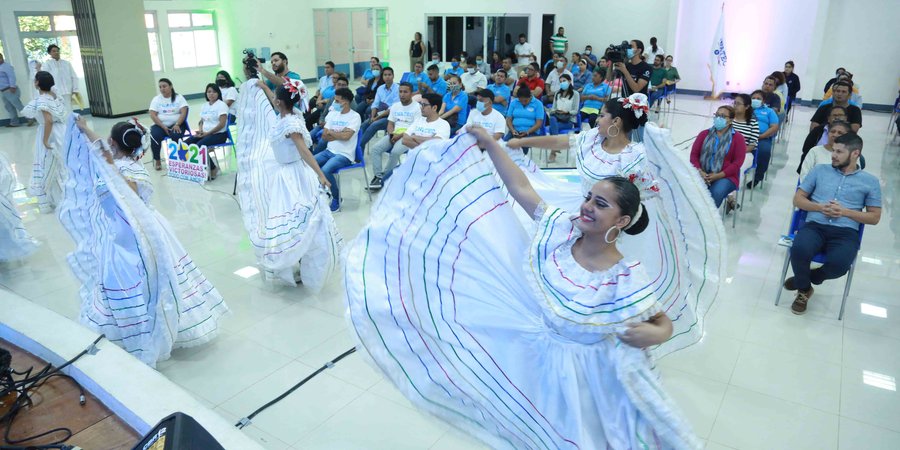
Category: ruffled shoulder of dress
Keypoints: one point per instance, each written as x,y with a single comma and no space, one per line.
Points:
132,170
289,124
45,103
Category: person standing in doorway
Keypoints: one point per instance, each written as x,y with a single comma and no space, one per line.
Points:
559,43
524,52
416,51
63,74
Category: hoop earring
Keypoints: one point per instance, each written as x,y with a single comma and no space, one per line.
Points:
606,236
608,134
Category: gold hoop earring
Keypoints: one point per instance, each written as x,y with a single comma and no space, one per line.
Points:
606,236
608,134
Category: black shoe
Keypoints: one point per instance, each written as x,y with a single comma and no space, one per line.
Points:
789,284
376,183
751,184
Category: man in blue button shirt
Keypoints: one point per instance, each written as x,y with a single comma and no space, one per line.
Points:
435,84
10,92
386,95
835,197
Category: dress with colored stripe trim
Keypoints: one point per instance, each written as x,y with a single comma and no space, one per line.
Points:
15,242
683,248
492,326
139,286
47,173
285,209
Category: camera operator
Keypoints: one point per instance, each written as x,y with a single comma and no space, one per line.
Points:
275,77
635,72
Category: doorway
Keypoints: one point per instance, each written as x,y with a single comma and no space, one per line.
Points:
547,31
349,37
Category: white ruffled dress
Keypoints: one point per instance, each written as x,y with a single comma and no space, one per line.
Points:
495,328
284,207
139,286
15,242
47,173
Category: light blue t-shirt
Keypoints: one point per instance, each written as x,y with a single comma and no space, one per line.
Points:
524,117
457,71
368,75
386,96
325,82
601,90
766,117
439,87
416,79
461,100
500,91
328,93
291,75
824,183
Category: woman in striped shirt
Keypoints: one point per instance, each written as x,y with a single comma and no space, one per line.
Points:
745,122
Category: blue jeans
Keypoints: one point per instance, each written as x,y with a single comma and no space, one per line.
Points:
655,96
555,128
720,189
839,244
13,103
212,139
369,128
158,135
763,154
331,163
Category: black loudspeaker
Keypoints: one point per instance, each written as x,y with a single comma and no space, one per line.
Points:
178,432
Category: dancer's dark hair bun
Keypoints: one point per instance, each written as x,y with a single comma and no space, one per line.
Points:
642,221
629,202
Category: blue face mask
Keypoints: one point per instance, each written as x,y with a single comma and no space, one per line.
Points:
455,64
376,72
335,106
629,53
564,85
756,103
481,106
720,123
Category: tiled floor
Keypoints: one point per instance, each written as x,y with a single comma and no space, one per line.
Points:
762,378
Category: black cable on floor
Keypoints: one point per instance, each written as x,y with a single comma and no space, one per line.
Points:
246,420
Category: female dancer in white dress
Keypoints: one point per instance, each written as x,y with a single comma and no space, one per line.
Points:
139,286
15,242
284,205
524,339
47,174
683,253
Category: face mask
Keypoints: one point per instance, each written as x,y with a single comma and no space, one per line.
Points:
435,60
720,123
376,72
587,52
756,103
564,85
630,53
480,106
479,61
335,106
454,89
455,64
471,70
560,64
220,83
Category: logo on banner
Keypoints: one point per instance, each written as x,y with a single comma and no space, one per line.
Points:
186,161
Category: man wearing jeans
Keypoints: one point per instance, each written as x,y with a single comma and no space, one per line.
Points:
386,95
402,114
10,92
835,197
341,125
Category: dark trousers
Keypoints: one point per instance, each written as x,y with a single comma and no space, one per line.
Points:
763,155
839,244
211,139
158,135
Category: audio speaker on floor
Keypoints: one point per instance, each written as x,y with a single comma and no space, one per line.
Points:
178,432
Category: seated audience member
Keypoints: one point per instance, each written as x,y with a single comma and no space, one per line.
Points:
855,98
837,73
771,98
455,107
340,135
512,74
525,115
780,87
573,64
435,60
373,70
454,69
502,92
657,81
418,77
482,66
564,110
745,121
532,81
486,116
841,91
834,196
655,50
229,93
496,62
718,154
340,81
365,94
386,95
590,57
672,76
401,117
553,79
473,80
434,84
582,76
793,84
168,111
426,127
322,100
594,95
371,81
325,82
819,134
550,65
213,119
821,154
768,128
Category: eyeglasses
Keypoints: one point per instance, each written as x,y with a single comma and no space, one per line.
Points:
424,105
724,116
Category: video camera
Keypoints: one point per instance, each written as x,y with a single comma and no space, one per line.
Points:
250,63
617,53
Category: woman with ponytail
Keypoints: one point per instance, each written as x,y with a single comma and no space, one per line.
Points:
139,286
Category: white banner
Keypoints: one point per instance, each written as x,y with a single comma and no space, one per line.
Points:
186,162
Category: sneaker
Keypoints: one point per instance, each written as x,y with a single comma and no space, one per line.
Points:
376,183
789,284
800,301
13,125
335,205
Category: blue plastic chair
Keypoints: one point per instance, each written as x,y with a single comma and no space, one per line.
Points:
360,163
211,149
798,219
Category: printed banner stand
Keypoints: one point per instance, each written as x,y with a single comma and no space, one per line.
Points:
186,161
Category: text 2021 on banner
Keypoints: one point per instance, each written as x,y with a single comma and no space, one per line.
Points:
187,161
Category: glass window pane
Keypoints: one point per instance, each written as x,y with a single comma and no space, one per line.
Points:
207,52
64,23
154,51
34,23
183,50
70,50
179,20
150,20
36,48
435,37
202,20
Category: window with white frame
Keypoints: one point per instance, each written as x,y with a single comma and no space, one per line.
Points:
153,38
193,35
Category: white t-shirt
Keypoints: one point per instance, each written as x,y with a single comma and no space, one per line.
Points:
404,116
337,121
473,83
524,49
168,110
553,80
422,127
493,122
230,93
210,114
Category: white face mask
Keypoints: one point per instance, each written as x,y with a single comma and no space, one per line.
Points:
560,64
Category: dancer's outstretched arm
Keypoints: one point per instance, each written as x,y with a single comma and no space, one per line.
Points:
558,142
513,177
